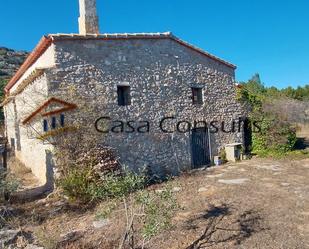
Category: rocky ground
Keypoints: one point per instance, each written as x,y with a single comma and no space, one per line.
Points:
260,203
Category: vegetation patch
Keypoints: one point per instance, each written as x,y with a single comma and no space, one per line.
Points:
85,185
277,136
8,185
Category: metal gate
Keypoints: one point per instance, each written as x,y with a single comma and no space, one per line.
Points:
200,147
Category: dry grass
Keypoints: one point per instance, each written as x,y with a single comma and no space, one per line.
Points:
271,207
303,130
23,174
16,167
48,239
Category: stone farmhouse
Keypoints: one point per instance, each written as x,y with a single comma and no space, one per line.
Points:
162,88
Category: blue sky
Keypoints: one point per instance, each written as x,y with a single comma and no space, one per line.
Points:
266,36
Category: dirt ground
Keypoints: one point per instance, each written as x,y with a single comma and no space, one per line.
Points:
252,204
259,203
24,175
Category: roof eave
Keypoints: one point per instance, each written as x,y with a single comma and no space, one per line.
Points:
201,51
31,59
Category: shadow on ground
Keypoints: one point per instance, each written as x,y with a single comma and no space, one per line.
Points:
302,143
223,226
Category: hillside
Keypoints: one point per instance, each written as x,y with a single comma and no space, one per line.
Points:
10,61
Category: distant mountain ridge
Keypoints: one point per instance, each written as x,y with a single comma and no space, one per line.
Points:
10,61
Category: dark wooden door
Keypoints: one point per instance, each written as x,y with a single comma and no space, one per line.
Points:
200,147
247,136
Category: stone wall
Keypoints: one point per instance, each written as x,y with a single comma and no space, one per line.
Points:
160,73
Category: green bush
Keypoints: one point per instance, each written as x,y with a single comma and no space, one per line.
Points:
119,186
8,185
84,185
277,136
222,155
275,139
78,184
159,208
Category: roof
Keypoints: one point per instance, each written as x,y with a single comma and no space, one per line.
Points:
38,72
47,40
31,59
67,106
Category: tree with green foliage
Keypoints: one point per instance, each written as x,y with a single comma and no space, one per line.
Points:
300,93
277,136
255,85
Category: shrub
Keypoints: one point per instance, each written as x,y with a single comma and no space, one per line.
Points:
222,155
276,138
84,185
79,184
7,184
121,185
277,135
147,214
158,209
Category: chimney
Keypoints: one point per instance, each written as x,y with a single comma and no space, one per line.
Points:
88,19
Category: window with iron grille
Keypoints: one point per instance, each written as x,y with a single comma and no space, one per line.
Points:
124,97
197,96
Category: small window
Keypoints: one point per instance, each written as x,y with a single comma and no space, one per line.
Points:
197,96
45,125
54,123
123,95
62,120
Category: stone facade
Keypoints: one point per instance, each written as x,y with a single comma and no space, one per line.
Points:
160,72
